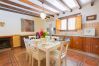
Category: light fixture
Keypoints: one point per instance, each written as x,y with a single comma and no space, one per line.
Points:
43,14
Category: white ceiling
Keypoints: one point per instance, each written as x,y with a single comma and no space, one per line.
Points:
57,3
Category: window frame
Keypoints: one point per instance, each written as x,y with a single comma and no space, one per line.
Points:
67,24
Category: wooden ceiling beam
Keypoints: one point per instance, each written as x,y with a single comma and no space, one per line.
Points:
92,2
73,15
17,9
51,5
78,1
65,5
19,5
35,5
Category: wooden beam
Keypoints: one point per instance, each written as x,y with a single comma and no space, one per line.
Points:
92,2
70,16
78,1
65,5
51,5
6,9
35,5
17,9
19,5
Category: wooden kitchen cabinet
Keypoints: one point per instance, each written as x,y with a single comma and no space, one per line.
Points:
95,45
91,45
16,41
77,43
87,44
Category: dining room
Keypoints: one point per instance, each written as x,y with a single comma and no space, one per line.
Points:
49,33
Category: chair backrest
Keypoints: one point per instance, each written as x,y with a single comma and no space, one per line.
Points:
34,50
27,43
64,49
67,40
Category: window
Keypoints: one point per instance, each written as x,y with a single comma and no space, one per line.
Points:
68,24
71,23
64,24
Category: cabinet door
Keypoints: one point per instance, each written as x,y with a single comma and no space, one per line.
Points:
91,45
77,43
87,44
16,41
95,46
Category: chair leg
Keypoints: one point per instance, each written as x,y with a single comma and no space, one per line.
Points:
58,62
30,58
26,57
53,63
39,62
32,61
65,61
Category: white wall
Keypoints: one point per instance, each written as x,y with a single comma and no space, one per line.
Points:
13,23
40,24
86,11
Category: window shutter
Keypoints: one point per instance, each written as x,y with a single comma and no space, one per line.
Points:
58,24
78,22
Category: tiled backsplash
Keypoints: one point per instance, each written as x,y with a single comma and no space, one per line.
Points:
68,33
92,25
80,32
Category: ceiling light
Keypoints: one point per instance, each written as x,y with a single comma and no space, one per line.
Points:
43,14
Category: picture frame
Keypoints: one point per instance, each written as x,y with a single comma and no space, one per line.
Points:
27,25
91,17
2,23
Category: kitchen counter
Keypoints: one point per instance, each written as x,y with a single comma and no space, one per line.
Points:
82,43
76,35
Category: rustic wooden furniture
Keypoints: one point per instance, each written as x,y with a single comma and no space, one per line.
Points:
85,44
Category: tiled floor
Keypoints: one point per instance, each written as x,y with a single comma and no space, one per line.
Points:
17,57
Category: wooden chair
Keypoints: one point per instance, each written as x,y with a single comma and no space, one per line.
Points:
36,53
28,51
58,55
